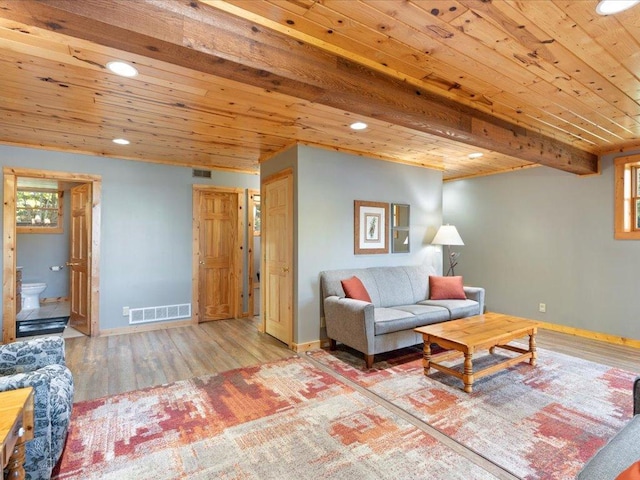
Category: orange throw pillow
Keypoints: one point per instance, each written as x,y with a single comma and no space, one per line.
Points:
631,473
446,288
353,288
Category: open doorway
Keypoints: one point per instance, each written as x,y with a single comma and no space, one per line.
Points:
83,195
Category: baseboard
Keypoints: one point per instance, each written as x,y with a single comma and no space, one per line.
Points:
146,328
54,299
305,347
604,337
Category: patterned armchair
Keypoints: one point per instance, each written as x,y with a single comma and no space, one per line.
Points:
40,364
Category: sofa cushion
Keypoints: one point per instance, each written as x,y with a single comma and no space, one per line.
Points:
446,288
612,459
457,308
410,284
394,286
407,317
353,288
388,320
426,314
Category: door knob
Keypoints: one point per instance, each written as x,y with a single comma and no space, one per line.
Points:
285,269
201,262
72,264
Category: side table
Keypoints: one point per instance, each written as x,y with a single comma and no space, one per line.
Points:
16,428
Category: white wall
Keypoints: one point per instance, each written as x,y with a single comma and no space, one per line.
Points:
326,185
545,236
146,243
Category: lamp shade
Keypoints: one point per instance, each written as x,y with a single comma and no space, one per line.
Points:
447,235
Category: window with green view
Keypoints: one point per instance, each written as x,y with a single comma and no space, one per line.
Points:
39,211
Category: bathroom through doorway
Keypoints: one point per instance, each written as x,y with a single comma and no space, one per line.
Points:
71,278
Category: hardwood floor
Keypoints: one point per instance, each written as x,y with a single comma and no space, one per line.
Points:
120,363
619,356
109,365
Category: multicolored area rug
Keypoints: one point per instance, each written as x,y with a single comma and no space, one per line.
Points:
540,422
283,420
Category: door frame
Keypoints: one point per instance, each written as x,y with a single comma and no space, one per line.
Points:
9,244
251,193
237,260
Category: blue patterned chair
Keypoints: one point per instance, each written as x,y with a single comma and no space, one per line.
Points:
40,364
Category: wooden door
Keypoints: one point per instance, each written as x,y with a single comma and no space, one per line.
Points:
276,281
218,256
79,261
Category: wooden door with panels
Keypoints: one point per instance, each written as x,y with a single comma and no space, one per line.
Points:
276,279
79,261
218,224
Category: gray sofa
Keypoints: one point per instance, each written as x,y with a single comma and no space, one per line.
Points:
621,451
400,303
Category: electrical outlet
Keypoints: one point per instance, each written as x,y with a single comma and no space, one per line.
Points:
125,311
543,307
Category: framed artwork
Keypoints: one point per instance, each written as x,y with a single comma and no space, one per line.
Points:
399,228
370,227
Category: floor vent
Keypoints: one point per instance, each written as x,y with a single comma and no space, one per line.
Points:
158,314
201,173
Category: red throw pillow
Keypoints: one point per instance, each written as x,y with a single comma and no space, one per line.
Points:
446,288
353,288
631,473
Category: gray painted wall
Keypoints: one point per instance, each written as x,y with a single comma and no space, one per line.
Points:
544,236
36,253
327,183
146,244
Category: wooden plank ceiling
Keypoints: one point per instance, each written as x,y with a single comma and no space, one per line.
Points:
226,84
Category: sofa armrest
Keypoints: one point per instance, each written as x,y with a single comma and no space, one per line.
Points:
53,400
40,381
351,322
636,397
30,355
477,294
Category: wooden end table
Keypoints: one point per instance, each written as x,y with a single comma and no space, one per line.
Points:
468,335
16,428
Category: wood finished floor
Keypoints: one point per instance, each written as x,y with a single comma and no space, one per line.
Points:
109,365
120,363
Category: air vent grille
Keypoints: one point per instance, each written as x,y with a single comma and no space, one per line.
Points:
158,314
201,173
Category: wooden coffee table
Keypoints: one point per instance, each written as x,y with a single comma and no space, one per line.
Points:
16,428
468,335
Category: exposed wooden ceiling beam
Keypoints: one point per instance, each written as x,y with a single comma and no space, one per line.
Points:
197,36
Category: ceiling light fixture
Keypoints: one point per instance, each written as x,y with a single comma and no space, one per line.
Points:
122,69
121,141
475,155
358,126
609,7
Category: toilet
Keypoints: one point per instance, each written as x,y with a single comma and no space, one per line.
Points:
31,295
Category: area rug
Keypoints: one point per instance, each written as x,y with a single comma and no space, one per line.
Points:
540,422
282,420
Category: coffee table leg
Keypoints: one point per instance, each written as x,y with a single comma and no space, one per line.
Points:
467,376
532,349
426,357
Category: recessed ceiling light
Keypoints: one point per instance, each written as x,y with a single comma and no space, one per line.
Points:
121,141
475,155
122,69
358,126
609,7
